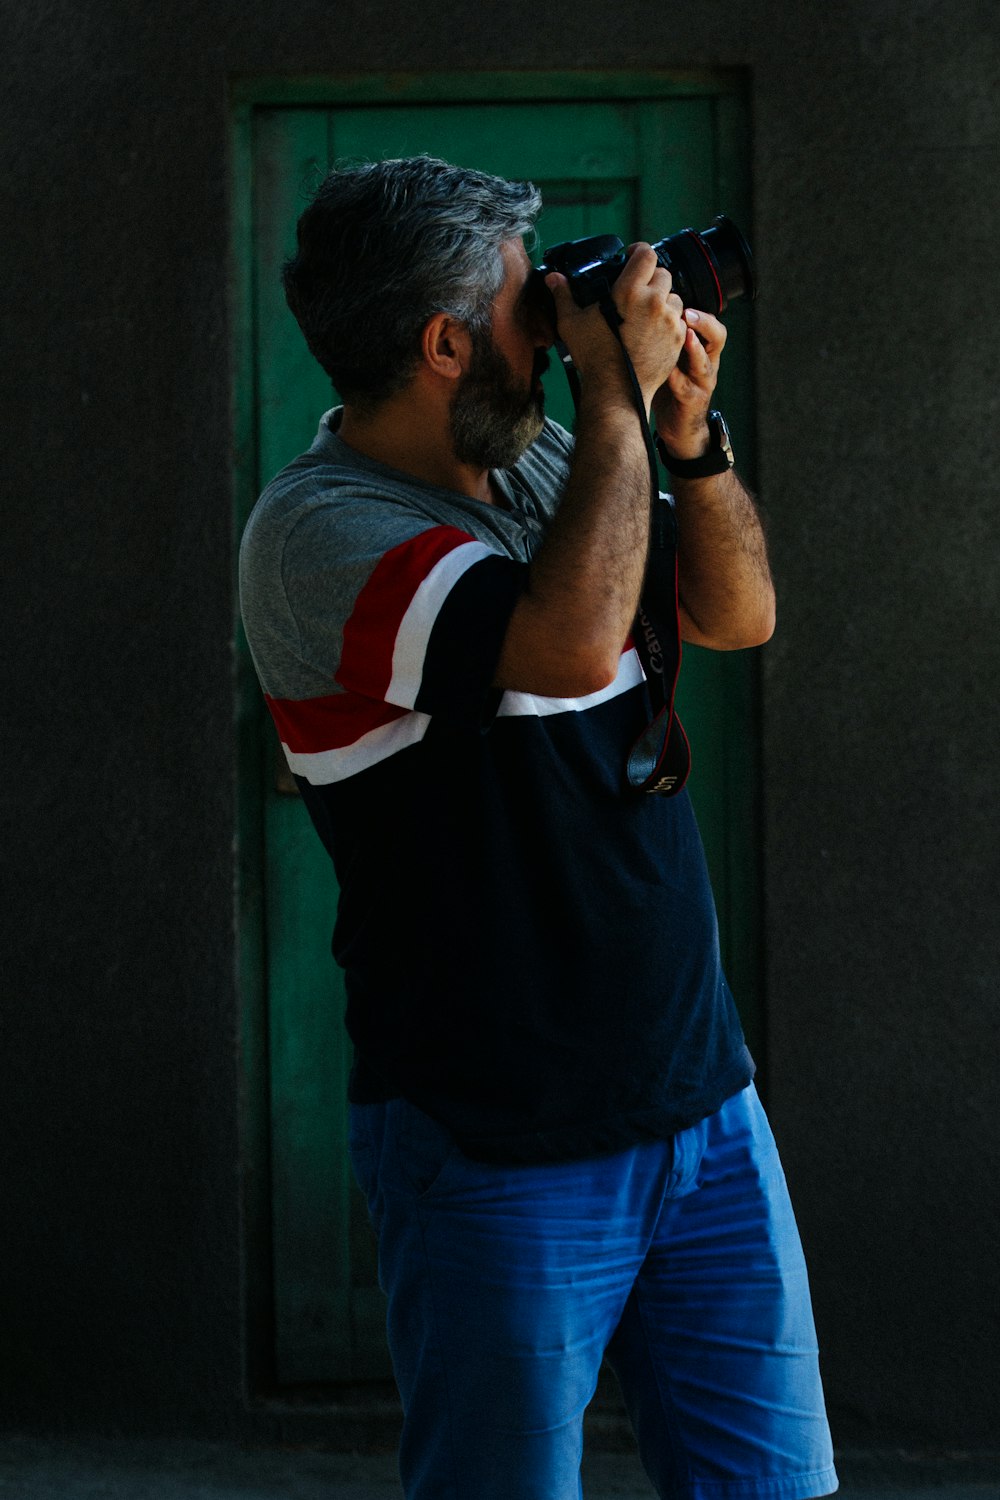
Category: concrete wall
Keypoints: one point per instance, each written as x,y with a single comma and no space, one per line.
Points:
877,222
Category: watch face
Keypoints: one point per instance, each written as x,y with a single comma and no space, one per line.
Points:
722,436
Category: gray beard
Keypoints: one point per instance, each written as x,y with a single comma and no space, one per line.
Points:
492,421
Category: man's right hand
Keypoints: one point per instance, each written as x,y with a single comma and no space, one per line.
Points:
653,329
568,630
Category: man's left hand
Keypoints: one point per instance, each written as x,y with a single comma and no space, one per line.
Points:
682,403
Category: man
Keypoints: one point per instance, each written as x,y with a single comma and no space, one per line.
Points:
553,1117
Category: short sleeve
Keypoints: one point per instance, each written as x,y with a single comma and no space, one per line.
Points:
367,619
428,625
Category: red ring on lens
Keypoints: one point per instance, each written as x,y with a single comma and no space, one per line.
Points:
711,266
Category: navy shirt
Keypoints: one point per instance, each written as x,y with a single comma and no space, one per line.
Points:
530,947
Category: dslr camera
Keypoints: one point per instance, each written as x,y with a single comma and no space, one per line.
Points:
709,268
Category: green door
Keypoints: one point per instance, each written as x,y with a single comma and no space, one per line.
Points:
637,167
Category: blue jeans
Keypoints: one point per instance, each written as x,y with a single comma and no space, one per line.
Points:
506,1286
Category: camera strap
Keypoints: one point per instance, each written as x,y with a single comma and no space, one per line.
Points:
660,759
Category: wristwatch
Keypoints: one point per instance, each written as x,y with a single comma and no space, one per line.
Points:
717,458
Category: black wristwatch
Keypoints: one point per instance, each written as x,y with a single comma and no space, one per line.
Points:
717,458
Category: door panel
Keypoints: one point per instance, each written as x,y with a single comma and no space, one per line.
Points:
641,168
512,140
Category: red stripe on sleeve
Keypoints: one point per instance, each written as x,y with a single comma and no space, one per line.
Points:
370,633
310,725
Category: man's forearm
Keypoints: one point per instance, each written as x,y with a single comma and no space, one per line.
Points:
726,592
567,631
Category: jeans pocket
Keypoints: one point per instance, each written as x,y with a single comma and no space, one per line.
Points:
363,1145
424,1149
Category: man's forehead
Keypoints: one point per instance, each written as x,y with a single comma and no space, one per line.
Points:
515,253
516,263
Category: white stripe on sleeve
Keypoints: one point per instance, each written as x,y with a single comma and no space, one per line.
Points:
320,767
630,674
417,623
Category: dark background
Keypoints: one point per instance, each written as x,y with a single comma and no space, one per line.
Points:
126,1150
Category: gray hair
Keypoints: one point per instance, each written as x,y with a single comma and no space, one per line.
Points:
383,247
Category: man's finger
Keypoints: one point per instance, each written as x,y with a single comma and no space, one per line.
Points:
561,294
711,333
641,264
697,354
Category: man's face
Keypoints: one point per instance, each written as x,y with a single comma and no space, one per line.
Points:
499,408
494,416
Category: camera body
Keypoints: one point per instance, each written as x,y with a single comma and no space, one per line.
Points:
709,268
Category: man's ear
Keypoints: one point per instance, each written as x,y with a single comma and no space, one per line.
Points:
446,346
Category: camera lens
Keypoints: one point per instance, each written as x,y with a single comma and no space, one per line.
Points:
710,268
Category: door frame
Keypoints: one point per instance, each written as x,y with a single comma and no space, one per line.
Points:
729,92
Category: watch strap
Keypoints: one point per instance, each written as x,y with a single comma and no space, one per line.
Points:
717,458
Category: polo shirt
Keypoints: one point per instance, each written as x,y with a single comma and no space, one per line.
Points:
530,946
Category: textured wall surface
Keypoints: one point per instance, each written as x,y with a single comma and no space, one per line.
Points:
877,225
